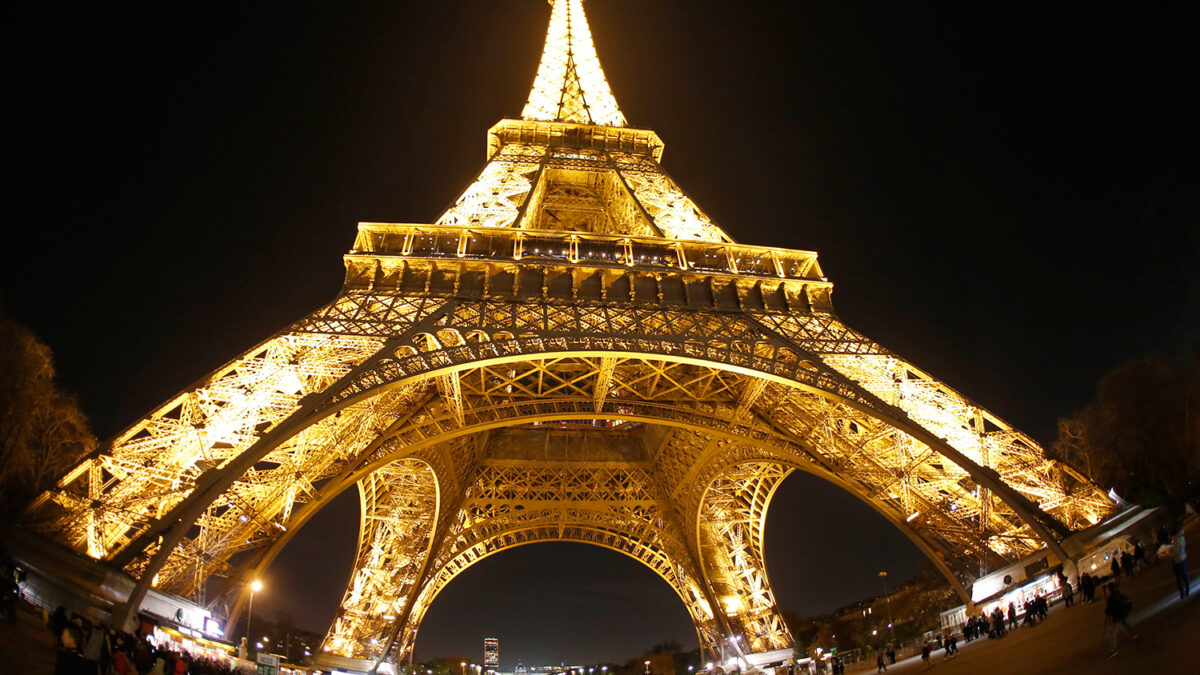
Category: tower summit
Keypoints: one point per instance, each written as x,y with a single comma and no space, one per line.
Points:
570,84
573,351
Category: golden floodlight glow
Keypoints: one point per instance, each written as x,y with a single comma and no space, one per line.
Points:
573,351
570,85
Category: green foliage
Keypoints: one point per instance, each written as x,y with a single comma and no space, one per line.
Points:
1142,435
43,434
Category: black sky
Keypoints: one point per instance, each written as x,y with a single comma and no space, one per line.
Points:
1005,194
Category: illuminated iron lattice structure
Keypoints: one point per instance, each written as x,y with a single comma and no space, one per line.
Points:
572,352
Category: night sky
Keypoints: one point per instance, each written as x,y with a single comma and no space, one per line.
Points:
1007,195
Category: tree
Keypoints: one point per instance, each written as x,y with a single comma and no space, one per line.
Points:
668,647
1142,435
803,629
825,637
43,434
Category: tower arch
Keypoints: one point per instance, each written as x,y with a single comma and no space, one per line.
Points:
572,292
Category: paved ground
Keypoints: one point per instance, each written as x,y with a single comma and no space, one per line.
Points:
26,646
1072,640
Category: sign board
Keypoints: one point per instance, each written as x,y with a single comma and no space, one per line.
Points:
213,628
268,664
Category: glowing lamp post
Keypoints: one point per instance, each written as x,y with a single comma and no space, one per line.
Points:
888,601
255,586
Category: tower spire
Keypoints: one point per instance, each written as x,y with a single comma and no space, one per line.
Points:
570,85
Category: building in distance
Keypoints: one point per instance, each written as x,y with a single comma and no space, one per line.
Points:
491,653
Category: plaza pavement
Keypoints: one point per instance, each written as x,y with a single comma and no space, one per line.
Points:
1073,639
1070,640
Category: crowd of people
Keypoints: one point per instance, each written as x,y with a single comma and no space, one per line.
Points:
84,648
1126,562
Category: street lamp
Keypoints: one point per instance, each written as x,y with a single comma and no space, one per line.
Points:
463,667
647,662
888,601
255,586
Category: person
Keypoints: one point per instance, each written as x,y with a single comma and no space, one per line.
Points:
952,646
1030,614
997,622
11,590
1012,616
1117,609
1139,556
1068,592
89,643
58,621
880,665
1116,566
1127,564
891,654
69,660
925,655
120,662
1181,567
143,659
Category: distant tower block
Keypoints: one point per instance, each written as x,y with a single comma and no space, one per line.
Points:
573,351
491,653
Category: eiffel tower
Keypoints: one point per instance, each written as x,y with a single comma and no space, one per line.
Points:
573,352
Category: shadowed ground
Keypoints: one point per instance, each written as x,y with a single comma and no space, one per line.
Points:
1070,640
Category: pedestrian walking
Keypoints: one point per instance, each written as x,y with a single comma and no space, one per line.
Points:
880,664
1182,580
1116,566
70,659
1139,556
1116,610
1012,616
925,656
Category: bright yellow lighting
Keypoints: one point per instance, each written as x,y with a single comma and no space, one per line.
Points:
570,85
733,604
256,585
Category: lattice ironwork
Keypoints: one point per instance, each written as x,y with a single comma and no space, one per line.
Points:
574,351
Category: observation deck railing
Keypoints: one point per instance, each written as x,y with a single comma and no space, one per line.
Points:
504,245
